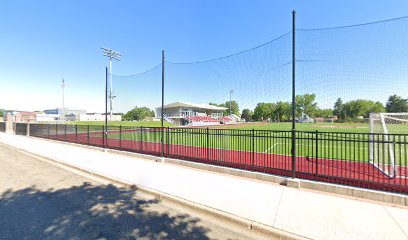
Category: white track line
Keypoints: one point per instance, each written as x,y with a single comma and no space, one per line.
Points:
267,150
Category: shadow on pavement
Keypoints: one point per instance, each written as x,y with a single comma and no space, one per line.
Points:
90,212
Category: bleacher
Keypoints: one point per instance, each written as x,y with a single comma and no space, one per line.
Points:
204,119
207,120
225,119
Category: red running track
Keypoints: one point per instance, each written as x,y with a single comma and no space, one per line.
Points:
353,173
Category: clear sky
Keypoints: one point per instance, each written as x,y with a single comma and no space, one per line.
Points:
44,41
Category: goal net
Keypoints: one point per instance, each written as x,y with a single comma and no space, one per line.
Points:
383,150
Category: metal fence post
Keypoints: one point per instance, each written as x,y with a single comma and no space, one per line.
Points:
162,141
56,130
76,133
88,133
103,137
317,152
48,129
208,144
168,141
120,136
141,138
65,132
253,148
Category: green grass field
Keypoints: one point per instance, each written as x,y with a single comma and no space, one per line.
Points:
341,141
284,126
330,145
287,126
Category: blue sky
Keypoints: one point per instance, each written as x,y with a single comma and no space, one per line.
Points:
44,41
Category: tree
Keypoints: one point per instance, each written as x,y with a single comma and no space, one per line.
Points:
234,106
283,111
138,114
375,107
360,107
215,104
323,112
306,104
264,111
247,115
396,104
280,111
339,109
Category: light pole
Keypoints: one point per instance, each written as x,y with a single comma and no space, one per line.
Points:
63,95
231,92
111,54
62,114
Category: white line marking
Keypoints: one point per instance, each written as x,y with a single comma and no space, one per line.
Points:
267,150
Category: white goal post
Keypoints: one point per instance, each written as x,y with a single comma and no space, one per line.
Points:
384,128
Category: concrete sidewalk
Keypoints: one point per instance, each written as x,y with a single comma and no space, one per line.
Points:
305,213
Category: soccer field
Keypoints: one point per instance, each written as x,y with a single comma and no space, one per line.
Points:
339,141
332,145
263,138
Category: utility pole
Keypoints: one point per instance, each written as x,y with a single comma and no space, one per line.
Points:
111,54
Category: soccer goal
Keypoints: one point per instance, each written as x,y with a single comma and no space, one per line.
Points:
382,149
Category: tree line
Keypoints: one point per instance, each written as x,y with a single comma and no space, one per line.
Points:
351,110
306,104
281,111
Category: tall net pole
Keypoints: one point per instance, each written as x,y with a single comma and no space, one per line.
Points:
106,103
162,106
111,87
293,95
